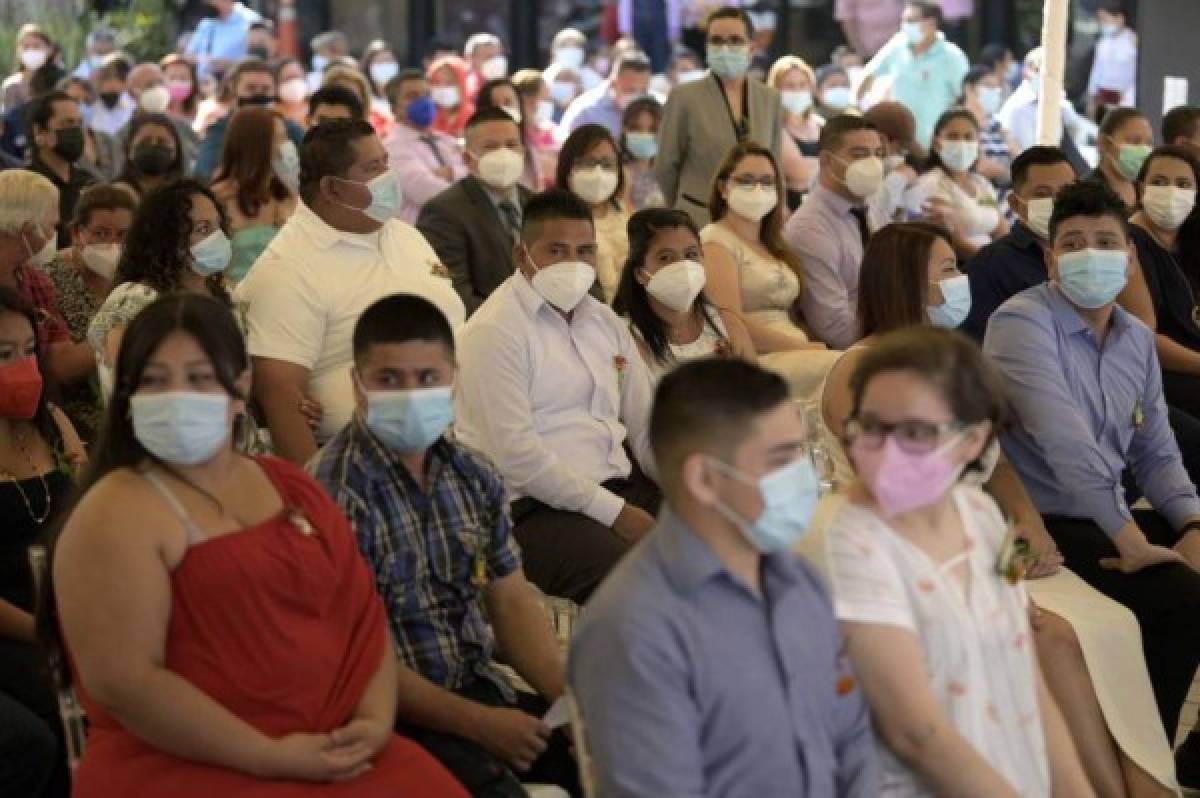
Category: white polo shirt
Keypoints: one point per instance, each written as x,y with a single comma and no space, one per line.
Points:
307,290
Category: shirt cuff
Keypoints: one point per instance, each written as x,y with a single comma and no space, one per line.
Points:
1116,515
604,507
1178,510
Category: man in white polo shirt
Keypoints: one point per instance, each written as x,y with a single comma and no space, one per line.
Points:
340,252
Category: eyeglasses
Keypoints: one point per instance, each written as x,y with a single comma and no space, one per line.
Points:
591,163
914,437
750,181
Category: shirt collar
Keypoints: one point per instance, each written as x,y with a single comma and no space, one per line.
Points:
1023,238
380,462
839,204
1070,319
532,302
325,236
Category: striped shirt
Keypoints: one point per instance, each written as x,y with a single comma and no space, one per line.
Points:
431,553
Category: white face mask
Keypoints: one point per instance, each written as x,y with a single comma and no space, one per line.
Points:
959,156
796,102
383,71
594,185
752,203
563,284
501,169
293,91
677,284
33,58
563,92
570,57
1168,206
838,97
102,258
444,96
44,255
155,100
494,68
545,113
864,176
1038,212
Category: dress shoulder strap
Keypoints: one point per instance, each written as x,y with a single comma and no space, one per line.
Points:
194,533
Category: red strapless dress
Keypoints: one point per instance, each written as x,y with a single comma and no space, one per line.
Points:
285,630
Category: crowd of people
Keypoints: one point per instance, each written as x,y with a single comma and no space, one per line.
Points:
864,429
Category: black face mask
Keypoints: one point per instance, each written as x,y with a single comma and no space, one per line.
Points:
153,160
68,143
110,99
255,100
259,52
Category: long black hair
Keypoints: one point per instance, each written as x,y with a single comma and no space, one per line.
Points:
157,249
935,161
212,325
632,299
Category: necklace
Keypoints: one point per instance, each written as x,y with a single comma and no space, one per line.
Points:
37,519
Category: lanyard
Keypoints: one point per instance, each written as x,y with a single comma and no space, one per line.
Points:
741,131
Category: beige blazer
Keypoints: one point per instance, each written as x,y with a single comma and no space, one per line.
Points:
697,133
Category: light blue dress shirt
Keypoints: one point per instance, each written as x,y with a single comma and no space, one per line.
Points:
692,685
1085,410
593,107
223,39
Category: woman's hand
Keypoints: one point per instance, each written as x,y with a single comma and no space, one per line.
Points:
316,758
1046,559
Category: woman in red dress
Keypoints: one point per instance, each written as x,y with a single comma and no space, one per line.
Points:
225,633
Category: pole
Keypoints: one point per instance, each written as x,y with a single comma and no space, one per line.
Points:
1054,62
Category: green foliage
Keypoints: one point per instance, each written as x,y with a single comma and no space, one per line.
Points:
144,28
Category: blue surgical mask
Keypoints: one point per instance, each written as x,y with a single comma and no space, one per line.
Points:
286,165
181,428
421,112
956,303
990,99
410,421
385,197
913,32
1092,278
789,497
729,62
642,145
212,254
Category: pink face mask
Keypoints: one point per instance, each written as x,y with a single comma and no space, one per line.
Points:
902,482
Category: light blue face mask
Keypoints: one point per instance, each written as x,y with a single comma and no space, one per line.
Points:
956,303
789,496
729,62
410,421
212,254
385,197
286,165
642,145
181,428
990,99
1092,278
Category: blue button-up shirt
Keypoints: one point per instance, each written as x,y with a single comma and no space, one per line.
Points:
593,107
223,39
1085,410
690,684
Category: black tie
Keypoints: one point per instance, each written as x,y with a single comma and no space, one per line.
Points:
860,216
431,142
511,220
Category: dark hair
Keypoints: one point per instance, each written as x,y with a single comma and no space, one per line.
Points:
642,105
1180,123
580,143
246,159
130,173
1187,251
730,12
770,229
894,276
929,10
1091,198
264,24
279,64
1116,118
1111,6
157,248
994,54
115,65
401,318
41,109
335,94
48,76
973,78
103,197
632,299
709,406
484,101
43,421
835,130
174,59
1040,155
554,203
947,360
246,66
1166,151
487,114
935,161
823,73
392,89
327,152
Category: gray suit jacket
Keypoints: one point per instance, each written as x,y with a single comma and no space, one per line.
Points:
464,228
696,134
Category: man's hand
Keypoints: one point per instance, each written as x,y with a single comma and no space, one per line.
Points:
1046,559
1189,547
445,173
633,523
1138,553
513,736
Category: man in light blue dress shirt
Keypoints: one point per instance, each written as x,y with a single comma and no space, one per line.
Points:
1086,386
219,41
709,663
605,104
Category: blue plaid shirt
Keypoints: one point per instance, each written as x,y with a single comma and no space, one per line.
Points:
427,550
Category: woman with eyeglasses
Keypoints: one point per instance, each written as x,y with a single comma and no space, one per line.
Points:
225,633
937,633
909,280
589,166
752,272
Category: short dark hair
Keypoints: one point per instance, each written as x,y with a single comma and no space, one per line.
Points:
263,24
247,66
326,152
1168,151
929,10
948,360
488,114
392,89
709,406
834,132
934,161
335,94
581,140
1112,6
730,12
1116,118
398,319
551,204
893,280
994,54
1092,198
41,109
103,197
1040,155
1180,123
975,75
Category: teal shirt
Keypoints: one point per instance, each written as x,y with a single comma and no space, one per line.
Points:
928,84
248,244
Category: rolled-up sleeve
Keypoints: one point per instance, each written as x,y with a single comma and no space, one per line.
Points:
1026,350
